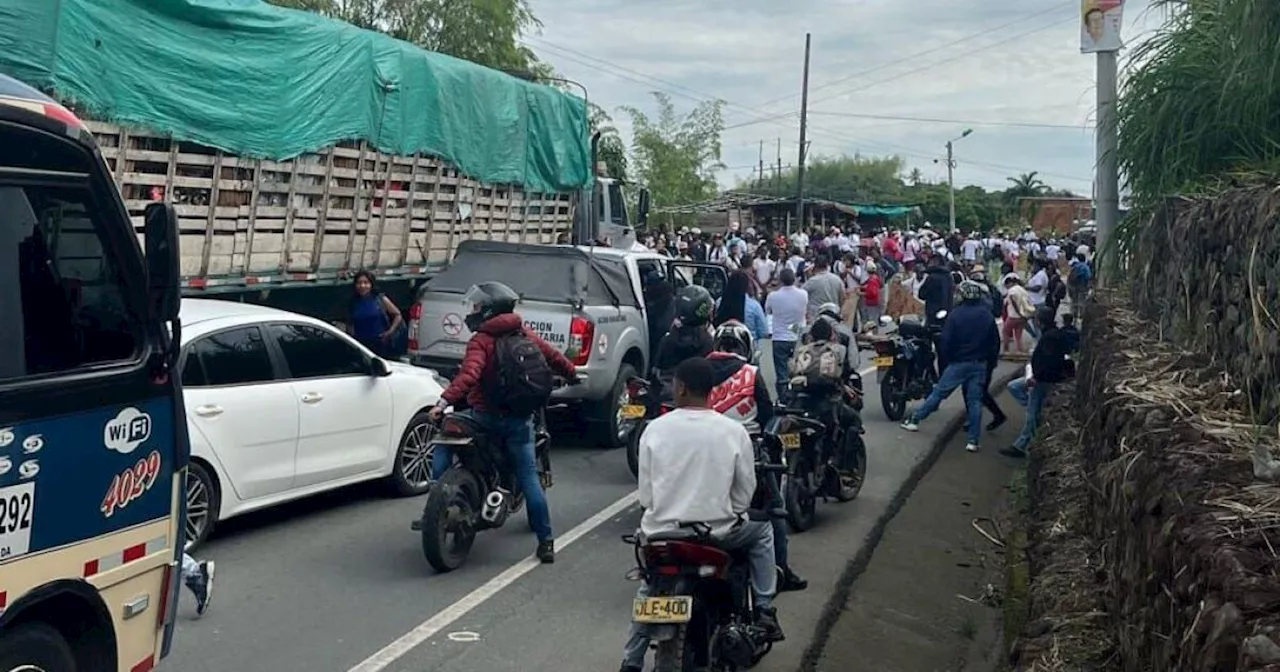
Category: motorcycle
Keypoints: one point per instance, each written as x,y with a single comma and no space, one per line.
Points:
820,463
905,363
478,492
641,407
700,609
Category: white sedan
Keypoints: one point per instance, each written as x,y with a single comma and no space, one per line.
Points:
282,406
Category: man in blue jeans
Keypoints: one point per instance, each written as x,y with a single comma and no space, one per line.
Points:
969,340
492,317
1048,367
787,304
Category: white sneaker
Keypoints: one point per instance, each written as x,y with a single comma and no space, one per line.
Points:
910,425
971,447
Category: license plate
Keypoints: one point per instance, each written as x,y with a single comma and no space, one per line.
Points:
883,362
790,441
633,411
662,610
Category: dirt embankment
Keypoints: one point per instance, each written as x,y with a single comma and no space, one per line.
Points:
1152,545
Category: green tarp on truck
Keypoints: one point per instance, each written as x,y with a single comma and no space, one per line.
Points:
266,82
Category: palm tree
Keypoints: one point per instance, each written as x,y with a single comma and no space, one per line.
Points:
916,177
1025,185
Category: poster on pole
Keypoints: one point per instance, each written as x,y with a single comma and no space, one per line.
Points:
1100,22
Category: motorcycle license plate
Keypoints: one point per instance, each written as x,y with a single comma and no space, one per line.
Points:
790,441
633,411
662,610
883,362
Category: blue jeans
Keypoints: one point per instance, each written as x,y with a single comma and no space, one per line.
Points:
779,524
1033,327
972,376
1031,398
782,353
516,435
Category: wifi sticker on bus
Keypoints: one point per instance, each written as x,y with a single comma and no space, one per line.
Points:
131,484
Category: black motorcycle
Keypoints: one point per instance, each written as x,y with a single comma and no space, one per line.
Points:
642,406
820,462
700,609
478,492
906,365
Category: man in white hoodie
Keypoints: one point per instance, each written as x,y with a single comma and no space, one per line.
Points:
698,466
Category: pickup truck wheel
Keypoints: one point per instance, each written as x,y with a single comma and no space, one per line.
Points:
612,430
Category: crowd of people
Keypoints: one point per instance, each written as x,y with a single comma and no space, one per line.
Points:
778,285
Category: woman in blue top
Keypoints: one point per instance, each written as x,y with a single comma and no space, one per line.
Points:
374,317
738,304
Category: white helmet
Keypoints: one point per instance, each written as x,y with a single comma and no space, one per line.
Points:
830,310
734,337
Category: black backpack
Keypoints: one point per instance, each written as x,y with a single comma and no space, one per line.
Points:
522,380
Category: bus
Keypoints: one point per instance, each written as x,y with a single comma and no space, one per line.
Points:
93,443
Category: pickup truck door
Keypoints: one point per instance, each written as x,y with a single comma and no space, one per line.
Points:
711,276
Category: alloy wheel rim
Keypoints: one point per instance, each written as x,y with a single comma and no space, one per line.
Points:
199,502
416,455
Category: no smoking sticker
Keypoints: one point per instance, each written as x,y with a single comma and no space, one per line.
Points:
451,323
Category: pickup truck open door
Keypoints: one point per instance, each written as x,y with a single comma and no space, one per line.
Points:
713,277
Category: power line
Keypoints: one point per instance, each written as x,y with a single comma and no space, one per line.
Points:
864,87
967,122
702,96
912,57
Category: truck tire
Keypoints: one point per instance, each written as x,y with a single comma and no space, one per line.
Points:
36,646
609,410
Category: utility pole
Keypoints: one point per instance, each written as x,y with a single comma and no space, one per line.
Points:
1107,187
761,182
951,188
777,172
804,114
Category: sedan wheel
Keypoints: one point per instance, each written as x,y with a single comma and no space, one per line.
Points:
202,497
412,472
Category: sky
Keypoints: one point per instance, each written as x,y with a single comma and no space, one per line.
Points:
1011,71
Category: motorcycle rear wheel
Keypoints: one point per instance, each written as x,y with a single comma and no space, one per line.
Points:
800,499
633,448
449,519
893,395
853,467
670,654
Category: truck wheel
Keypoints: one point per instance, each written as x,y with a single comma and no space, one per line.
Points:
609,411
36,647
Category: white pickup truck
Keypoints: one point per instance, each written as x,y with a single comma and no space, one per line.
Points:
587,301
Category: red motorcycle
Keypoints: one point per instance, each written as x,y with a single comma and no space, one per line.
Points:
641,407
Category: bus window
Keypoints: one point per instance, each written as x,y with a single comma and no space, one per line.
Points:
58,289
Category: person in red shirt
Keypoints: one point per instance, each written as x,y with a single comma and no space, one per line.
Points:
893,248
492,317
872,304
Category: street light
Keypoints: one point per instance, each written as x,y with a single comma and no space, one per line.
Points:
951,182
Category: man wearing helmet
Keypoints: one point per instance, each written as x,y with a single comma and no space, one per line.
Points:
742,394
492,319
690,335
969,340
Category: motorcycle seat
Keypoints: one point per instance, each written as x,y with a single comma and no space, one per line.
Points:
682,534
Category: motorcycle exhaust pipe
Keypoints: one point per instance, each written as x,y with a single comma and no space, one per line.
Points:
493,505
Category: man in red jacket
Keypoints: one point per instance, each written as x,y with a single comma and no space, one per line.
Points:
492,317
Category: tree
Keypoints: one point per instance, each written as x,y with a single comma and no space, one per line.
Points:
916,177
1025,185
481,31
677,156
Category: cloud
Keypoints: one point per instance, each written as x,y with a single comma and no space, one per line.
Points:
866,59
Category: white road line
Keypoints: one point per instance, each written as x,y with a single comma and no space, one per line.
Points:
432,626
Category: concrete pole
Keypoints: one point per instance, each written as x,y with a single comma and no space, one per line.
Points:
804,117
1107,177
951,189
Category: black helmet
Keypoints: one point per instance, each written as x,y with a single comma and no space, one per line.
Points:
694,305
489,299
733,337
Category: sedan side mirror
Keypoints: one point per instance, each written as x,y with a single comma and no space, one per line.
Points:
378,368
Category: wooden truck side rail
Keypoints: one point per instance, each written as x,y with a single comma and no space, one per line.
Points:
255,223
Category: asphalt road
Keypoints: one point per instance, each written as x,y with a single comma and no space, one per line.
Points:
328,583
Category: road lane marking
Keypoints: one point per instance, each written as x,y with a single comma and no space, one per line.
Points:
449,615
